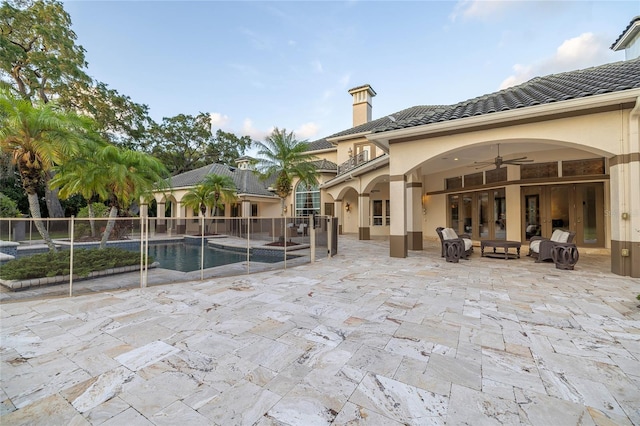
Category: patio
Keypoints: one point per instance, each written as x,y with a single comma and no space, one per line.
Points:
359,339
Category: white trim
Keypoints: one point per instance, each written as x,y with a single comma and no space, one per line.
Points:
374,164
627,36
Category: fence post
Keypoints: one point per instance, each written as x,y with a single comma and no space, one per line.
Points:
71,258
329,236
248,243
201,247
312,237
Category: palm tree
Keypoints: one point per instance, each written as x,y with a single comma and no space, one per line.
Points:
132,175
199,197
283,156
37,137
84,175
223,189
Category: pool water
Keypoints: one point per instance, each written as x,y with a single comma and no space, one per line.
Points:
186,257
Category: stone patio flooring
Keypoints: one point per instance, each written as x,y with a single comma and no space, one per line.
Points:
358,339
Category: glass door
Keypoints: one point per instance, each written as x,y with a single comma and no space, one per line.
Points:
590,214
574,207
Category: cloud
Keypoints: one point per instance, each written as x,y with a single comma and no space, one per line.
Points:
307,130
317,66
252,132
219,120
583,51
479,9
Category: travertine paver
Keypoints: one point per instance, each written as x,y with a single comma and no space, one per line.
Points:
358,339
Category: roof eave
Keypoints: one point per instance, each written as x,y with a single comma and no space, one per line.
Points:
627,36
538,111
370,166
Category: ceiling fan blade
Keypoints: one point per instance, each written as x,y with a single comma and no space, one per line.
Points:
516,161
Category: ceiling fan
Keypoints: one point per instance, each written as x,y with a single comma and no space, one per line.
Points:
499,161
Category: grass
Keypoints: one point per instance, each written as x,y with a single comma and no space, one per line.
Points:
53,264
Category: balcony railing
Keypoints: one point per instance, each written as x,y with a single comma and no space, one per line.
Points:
353,162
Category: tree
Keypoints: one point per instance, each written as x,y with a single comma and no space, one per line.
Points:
41,61
39,55
225,148
198,198
37,137
132,175
179,141
223,189
283,156
84,175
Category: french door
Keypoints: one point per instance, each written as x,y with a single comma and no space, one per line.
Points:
575,207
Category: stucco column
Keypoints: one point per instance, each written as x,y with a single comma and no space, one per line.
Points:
246,208
363,217
414,213
161,225
181,213
625,214
398,228
337,206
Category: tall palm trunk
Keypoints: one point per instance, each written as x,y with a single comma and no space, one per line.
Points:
110,225
34,207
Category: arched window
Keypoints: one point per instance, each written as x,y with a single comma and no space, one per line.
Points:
307,200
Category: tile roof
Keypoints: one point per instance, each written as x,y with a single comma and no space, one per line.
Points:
319,144
246,181
608,78
405,114
325,165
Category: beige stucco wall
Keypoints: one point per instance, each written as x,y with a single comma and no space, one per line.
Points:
600,134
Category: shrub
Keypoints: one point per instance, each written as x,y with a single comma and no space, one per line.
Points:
53,264
8,207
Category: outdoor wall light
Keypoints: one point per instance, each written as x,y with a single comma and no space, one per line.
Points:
347,207
625,216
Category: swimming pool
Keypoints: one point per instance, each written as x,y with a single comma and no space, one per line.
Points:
186,257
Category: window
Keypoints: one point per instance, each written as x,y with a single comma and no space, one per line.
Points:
254,210
307,199
387,215
377,212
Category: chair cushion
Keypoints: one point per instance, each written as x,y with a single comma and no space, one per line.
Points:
467,244
449,234
564,237
557,234
534,246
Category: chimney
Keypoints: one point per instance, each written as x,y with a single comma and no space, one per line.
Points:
362,96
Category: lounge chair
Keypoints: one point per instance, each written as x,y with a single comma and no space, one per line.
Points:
540,248
454,246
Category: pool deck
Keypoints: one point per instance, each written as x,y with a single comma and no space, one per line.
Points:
361,338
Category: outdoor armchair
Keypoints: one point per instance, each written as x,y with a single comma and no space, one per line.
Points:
540,248
448,235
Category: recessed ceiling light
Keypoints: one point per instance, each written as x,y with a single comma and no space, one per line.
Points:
455,159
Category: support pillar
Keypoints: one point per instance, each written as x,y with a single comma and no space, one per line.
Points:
398,229
625,214
339,213
414,213
363,217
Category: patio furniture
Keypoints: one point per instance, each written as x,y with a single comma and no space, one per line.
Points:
453,246
540,248
565,255
504,244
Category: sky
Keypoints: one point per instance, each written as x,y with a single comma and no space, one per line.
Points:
256,65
